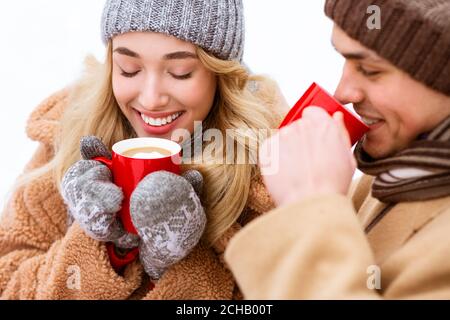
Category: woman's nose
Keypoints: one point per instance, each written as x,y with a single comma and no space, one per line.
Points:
153,96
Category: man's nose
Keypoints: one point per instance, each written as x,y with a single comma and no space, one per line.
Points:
349,89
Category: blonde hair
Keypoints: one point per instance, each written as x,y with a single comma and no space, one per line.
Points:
93,110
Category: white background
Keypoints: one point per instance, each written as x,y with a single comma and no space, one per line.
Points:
44,42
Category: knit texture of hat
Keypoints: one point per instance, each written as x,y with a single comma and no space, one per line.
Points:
217,26
414,35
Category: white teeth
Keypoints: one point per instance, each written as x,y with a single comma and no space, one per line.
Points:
158,122
370,121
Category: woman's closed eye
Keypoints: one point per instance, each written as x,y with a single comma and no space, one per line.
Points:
176,76
128,74
181,76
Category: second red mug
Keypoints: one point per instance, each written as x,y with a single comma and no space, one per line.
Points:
316,96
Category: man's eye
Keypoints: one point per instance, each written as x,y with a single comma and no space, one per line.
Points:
366,72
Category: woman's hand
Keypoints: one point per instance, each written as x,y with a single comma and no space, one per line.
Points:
93,200
169,218
310,157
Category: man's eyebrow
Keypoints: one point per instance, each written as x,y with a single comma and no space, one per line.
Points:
355,55
358,55
169,56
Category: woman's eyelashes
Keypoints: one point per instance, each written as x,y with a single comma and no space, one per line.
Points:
182,76
129,75
176,76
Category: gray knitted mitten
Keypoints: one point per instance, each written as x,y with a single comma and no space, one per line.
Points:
93,200
169,217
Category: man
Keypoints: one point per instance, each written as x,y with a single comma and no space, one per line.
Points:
390,238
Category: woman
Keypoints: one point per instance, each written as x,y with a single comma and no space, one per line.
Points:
172,59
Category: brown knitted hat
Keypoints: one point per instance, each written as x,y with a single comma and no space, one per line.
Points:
414,35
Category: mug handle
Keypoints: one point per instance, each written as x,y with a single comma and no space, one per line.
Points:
105,161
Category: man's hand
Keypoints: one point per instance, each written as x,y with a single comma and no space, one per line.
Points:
313,157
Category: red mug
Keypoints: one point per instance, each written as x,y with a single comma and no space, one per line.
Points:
129,171
316,96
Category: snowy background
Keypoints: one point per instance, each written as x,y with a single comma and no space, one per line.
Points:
44,43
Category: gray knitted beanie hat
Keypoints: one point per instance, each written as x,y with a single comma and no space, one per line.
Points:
216,26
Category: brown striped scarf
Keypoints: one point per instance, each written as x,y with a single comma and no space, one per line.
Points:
420,172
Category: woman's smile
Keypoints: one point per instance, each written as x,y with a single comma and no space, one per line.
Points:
158,124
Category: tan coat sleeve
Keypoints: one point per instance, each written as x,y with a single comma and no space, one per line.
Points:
316,249
75,267
40,259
